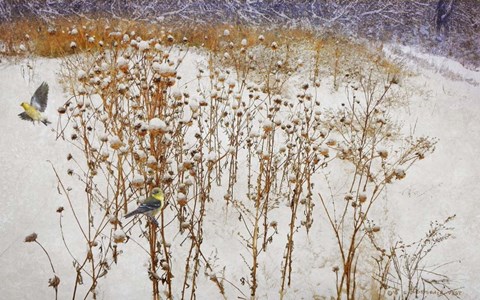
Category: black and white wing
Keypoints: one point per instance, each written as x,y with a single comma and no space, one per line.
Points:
24,116
40,97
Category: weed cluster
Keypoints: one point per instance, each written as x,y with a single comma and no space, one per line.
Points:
239,124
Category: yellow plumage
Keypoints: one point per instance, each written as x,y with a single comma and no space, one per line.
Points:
150,206
34,114
38,104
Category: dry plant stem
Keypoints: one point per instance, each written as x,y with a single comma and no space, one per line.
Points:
402,269
269,180
51,265
152,232
259,209
89,256
242,109
196,240
351,222
288,254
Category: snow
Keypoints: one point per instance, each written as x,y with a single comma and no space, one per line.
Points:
157,124
443,184
115,142
121,61
143,46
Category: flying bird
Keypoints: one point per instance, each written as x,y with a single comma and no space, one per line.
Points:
38,104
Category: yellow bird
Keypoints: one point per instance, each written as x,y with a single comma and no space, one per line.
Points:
150,206
38,104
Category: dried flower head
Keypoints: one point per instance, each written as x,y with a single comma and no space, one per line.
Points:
31,238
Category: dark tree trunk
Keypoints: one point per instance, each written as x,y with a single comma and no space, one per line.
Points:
444,10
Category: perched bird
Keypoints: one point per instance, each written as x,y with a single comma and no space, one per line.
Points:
150,206
38,104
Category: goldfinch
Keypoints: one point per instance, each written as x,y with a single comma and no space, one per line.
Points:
150,206
38,104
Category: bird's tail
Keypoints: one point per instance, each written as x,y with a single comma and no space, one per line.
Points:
132,213
46,122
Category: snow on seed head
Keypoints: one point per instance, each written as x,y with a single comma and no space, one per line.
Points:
104,154
122,88
143,46
231,83
81,74
181,199
115,34
226,32
95,80
157,125
103,117
211,157
164,69
399,173
151,162
268,125
115,143
177,95
105,82
119,236
138,181
194,105
261,38
383,153
140,155
124,149
51,30
103,137
122,62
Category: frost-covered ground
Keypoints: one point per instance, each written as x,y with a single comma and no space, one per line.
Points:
444,104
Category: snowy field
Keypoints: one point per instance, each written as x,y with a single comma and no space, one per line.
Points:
444,103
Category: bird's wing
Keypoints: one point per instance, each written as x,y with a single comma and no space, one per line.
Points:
149,206
24,116
40,97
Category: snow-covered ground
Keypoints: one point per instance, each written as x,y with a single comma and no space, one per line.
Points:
442,105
